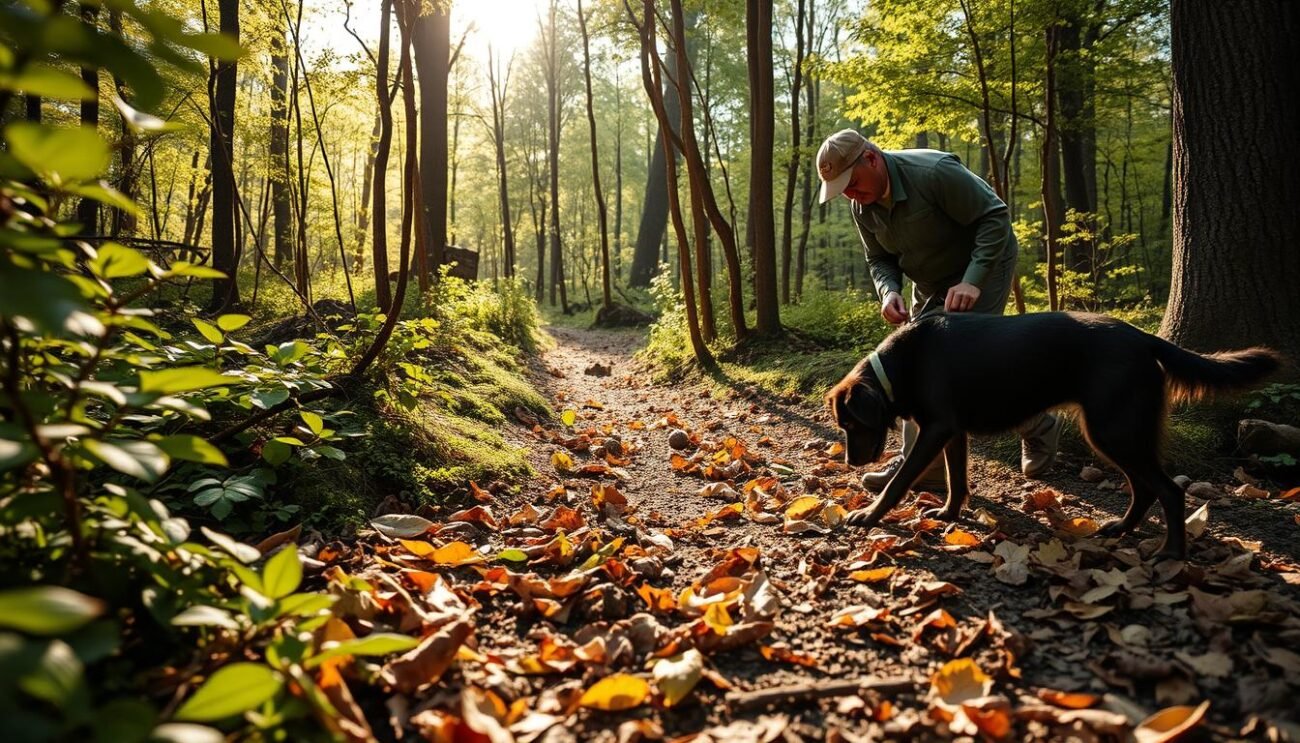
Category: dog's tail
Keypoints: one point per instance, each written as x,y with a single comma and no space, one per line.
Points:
1192,376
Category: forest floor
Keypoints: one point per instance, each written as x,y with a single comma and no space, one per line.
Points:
1013,625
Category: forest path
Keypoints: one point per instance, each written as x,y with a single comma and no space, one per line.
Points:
810,602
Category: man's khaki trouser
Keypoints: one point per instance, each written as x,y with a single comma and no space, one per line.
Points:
993,298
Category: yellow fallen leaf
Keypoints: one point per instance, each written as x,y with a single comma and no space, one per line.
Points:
676,676
803,507
561,461
616,693
960,681
1079,526
419,549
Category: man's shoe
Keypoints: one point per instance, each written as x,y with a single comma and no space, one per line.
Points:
932,480
1038,448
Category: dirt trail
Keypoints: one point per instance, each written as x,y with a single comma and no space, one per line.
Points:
1033,606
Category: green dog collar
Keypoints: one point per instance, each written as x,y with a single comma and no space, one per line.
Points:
879,369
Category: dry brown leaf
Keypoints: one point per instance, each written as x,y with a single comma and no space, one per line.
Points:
425,663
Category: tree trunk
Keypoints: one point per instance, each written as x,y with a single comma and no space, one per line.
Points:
758,26
601,212
379,245
1078,128
87,208
497,87
654,211
124,221
1051,177
792,168
1235,223
363,208
279,152
553,150
225,292
433,61
655,90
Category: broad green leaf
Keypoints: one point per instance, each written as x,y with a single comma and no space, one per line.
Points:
51,303
276,452
306,604
115,261
48,82
142,459
218,46
282,574
379,643
232,690
102,192
208,330
238,550
185,268
313,421
267,399
191,448
182,379
59,155
231,323
205,616
15,454
47,610
124,719
331,452
57,676
513,555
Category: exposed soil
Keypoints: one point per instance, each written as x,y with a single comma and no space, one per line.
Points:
1036,609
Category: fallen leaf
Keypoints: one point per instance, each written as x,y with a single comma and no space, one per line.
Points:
677,676
960,538
425,663
1197,521
561,461
1170,723
875,575
959,681
782,654
1068,700
456,554
616,693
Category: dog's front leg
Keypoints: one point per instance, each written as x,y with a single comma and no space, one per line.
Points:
955,460
929,443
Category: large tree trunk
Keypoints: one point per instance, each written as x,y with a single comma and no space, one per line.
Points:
363,208
433,61
1235,223
654,211
225,292
792,167
282,228
602,217
654,88
379,245
87,208
124,221
758,25
1078,128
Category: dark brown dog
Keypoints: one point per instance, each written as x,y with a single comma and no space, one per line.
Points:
961,374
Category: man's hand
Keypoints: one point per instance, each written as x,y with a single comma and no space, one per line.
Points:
961,298
894,309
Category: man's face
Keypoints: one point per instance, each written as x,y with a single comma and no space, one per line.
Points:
869,179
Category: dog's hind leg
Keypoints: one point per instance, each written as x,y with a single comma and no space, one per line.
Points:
1171,502
955,454
929,443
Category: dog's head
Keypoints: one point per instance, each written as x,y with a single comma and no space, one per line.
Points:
861,411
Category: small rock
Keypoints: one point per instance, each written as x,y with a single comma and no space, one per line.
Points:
648,567
678,439
1204,491
598,370
1091,474
1183,481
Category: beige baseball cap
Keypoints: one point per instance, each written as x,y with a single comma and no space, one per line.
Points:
835,161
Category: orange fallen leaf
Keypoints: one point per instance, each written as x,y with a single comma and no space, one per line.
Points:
456,554
781,654
1170,723
475,515
1068,700
658,599
937,619
875,575
960,681
616,693
480,495
1079,526
960,538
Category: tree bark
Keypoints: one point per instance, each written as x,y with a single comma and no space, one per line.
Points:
379,245
792,167
758,25
282,228
1236,108
88,209
225,292
433,61
553,112
497,86
602,217
1051,175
